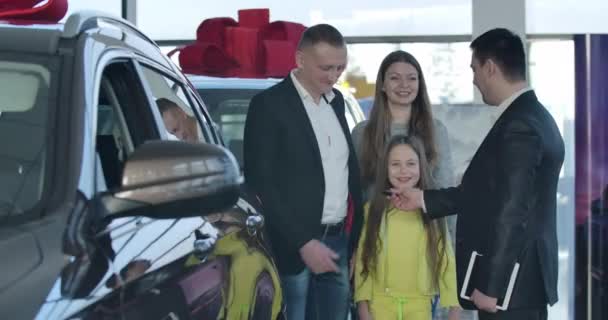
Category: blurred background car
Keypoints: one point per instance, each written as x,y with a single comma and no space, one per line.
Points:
227,100
366,105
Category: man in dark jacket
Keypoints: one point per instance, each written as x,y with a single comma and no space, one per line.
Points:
299,159
506,201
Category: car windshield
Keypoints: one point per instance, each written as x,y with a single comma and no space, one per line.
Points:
24,108
228,109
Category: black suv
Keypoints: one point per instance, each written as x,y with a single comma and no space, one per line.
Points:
101,215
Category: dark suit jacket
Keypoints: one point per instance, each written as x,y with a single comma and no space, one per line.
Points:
283,166
506,206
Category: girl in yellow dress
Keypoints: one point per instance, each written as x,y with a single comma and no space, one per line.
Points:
403,259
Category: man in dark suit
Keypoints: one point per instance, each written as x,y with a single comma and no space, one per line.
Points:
299,159
506,201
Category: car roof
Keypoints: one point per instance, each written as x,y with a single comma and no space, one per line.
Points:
30,37
208,82
23,35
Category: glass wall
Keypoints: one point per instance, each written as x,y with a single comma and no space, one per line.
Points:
352,18
112,7
445,66
358,18
552,77
566,16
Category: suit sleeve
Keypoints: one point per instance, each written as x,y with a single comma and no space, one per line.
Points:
519,157
442,202
261,152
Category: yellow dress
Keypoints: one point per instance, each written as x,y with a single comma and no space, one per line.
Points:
401,287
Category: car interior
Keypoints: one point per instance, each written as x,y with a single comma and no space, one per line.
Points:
230,116
228,109
24,90
112,141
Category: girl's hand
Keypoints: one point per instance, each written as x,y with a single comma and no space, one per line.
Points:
363,310
454,313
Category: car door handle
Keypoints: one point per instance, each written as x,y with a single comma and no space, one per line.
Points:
254,223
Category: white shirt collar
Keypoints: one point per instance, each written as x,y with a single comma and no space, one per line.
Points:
507,102
304,95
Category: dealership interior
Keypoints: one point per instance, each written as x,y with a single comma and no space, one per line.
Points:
566,43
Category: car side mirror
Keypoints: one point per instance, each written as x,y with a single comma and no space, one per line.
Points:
175,179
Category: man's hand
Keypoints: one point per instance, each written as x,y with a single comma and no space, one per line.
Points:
318,257
407,199
483,302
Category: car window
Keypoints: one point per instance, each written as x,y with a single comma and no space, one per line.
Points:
25,100
124,121
180,120
228,109
231,121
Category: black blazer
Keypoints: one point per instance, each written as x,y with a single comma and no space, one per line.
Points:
506,206
283,166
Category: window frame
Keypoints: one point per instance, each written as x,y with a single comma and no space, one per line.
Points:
209,124
130,105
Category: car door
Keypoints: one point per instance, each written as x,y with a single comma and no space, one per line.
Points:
142,253
234,276
100,135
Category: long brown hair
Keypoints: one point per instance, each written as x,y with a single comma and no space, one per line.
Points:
436,230
377,131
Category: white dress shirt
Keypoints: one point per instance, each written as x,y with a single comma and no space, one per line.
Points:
334,152
507,102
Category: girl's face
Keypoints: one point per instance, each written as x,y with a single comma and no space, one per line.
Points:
403,167
401,83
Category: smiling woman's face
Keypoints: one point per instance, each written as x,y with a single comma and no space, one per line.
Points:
401,84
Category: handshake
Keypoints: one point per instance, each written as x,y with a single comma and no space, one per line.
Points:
406,198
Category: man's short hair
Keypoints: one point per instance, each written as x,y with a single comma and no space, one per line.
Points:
505,48
321,33
165,105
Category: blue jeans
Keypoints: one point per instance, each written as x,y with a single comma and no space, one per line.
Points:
310,296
